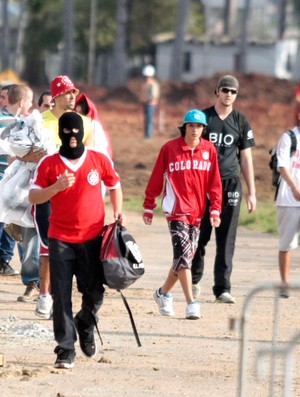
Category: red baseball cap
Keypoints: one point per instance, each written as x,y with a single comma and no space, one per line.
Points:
60,85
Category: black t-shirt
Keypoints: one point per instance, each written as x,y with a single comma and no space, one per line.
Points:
229,136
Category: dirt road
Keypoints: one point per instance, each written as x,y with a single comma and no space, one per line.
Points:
178,357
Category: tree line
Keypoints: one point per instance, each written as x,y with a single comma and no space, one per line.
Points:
81,31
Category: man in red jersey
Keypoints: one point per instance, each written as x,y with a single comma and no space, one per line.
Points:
71,180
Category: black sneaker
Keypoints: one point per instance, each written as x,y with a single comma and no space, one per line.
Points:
86,339
6,269
65,358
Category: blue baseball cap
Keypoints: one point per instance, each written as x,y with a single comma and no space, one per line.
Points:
195,116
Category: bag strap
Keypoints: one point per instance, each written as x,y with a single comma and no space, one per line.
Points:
131,319
294,142
116,223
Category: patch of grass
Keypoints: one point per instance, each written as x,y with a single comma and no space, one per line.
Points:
135,204
262,220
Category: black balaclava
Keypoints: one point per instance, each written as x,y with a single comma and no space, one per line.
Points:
70,121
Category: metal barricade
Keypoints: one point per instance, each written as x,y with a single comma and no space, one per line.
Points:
276,350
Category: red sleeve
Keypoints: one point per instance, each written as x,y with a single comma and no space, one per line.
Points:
156,182
42,174
110,177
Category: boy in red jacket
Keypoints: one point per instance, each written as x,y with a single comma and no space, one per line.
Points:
186,171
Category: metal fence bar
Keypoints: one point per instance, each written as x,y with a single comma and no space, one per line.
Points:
275,350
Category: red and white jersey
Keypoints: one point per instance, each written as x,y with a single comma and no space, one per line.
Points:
186,177
77,213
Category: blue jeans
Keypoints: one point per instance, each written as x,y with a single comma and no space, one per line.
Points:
30,258
149,120
7,244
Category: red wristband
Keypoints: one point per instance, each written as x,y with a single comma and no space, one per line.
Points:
148,214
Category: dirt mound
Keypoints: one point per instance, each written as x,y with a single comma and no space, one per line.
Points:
256,87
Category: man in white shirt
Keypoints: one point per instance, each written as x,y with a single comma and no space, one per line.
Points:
288,203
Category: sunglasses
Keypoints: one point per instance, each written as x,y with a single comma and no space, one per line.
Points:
227,90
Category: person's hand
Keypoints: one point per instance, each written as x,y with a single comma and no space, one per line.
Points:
11,159
34,155
147,218
120,218
296,192
215,221
65,180
251,203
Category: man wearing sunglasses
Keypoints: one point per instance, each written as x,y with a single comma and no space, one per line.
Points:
233,138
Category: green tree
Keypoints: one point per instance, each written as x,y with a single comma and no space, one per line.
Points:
148,18
106,24
179,40
45,31
43,35
296,4
118,71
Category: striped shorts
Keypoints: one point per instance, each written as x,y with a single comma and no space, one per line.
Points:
184,241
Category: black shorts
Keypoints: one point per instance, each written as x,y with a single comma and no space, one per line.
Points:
41,213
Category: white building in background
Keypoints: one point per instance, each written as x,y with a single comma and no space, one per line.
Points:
204,58
216,53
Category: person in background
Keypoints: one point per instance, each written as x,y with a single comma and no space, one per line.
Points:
150,94
71,180
4,95
64,93
233,138
297,106
288,204
14,99
85,106
185,172
7,243
19,104
45,101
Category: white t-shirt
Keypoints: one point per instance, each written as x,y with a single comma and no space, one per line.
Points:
285,196
100,140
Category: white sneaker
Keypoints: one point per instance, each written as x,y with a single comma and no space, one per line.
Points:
44,306
193,311
164,303
284,293
196,288
226,297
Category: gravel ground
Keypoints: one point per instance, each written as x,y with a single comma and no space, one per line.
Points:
178,357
